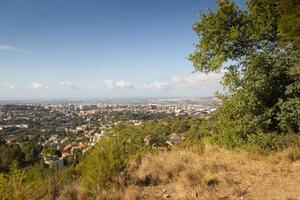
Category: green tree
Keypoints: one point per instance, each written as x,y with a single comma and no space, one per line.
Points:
10,155
32,152
263,78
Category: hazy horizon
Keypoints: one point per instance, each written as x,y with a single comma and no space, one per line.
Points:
103,98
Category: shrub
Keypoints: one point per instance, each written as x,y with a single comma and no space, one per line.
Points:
14,187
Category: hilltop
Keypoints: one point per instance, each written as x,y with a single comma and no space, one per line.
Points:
137,162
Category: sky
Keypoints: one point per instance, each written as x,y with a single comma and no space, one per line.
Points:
100,49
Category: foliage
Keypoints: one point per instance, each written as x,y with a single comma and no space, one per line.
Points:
263,77
32,152
109,158
11,155
112,152
12,186
105,166
262,110
289,21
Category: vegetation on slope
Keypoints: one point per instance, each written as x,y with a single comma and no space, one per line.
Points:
259,120
123,164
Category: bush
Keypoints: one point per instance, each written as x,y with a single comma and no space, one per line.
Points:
14,187
109,156
264,141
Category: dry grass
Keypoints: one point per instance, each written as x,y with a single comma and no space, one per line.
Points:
161,168
217,173
73,192
132,193
293,153
127,193
211,173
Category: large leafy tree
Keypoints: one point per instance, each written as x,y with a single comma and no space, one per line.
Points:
261,43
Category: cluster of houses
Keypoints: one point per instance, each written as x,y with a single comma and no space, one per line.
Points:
67,149
64,148
69,152
69,140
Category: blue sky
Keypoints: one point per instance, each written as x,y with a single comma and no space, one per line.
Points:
100,49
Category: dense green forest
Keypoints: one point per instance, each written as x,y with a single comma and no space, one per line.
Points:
258,48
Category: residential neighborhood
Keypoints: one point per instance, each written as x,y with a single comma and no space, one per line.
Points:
63,132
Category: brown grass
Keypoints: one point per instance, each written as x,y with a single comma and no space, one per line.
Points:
132,193
127,193
161,168
217,173
73,192
211,173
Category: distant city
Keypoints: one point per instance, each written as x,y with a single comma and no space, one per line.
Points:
64,129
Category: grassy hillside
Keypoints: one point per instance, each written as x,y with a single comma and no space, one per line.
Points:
203,166
207,173
211,173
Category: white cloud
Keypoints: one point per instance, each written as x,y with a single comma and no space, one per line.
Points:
7,47
38,86
156,85
118,84
68,84
12,87
198,80
126,85
190,81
